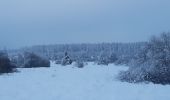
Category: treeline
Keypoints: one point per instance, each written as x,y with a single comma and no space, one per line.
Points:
86,52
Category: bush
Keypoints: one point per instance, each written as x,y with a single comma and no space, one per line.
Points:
33,60
152,63
79,64
5,64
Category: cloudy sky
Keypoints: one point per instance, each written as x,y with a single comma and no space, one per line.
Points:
32,22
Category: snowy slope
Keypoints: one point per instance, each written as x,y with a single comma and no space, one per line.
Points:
68,83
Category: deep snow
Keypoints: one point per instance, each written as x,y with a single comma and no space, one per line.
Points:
92,82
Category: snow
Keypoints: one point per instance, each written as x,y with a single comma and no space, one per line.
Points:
93,82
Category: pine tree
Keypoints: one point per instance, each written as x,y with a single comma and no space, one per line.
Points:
66,60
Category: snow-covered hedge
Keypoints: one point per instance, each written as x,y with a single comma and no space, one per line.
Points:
152,63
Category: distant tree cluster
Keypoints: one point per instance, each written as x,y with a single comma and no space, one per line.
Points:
152,63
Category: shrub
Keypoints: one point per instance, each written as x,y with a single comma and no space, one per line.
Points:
5,64
152,63
33,60
79,64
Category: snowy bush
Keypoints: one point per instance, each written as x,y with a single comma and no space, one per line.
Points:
5,64
152,63
33,60
66,60
79,64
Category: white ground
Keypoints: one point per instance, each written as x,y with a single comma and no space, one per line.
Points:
67,83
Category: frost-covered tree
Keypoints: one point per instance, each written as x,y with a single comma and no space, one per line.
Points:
66,60
152,63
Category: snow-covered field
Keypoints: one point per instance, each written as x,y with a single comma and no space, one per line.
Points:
92,82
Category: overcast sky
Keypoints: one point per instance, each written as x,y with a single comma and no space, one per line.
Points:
32,22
